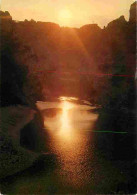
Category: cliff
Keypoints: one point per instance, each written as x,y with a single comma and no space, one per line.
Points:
133,12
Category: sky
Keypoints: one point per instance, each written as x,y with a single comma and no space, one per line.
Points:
73,13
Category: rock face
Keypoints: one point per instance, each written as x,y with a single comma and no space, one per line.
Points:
5,15
46,46
118,22
93,27
133,10
5,24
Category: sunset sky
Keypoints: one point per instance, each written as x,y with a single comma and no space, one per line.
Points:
73,13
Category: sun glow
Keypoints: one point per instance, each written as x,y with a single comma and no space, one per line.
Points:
65,17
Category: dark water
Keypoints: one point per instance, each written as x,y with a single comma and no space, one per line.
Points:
80,159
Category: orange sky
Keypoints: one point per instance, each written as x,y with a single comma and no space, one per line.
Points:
74,13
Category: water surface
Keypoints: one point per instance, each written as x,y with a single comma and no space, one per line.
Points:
76,161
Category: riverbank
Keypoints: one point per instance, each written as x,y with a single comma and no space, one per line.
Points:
14,158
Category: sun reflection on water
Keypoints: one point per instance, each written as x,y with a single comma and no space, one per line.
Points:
67,118
63,98
66,127
68,139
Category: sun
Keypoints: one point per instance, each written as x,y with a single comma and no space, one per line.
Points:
65,17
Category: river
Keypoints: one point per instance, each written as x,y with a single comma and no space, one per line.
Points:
75,161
